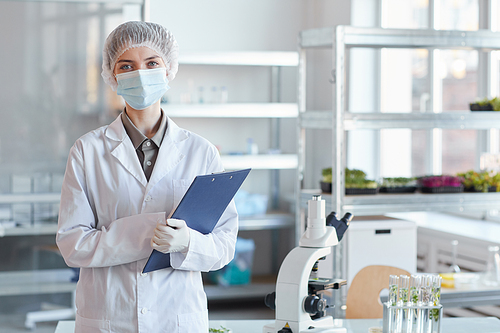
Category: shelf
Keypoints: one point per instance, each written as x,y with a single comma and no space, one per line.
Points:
31,230
380,204
400,38
270,161
240,58
30,198
267,221
131,2
446,120
232,110
33,282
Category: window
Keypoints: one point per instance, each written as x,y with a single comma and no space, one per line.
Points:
435,81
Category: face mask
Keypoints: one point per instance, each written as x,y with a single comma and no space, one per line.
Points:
142,88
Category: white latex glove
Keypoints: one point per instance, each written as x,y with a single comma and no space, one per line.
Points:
173,237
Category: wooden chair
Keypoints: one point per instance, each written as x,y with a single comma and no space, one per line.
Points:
363,296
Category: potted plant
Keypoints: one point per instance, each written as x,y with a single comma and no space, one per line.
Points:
398,185
480,181
441,184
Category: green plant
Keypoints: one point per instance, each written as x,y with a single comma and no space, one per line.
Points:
494,102
398,181
480,181
327,175
353,178
218,330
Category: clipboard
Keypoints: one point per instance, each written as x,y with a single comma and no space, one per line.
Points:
201,207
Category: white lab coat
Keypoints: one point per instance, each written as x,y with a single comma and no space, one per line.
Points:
107,216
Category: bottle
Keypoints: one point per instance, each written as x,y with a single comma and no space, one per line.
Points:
214,96
252,148
223,94
201,98
492,277
454,268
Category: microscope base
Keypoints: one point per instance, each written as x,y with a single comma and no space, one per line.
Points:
270,329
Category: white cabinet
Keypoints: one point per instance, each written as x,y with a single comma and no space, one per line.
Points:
381,241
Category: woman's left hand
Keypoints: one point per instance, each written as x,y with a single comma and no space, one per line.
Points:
172,237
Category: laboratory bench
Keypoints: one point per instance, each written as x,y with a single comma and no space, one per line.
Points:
449,325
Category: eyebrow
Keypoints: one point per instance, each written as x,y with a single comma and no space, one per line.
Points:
125,60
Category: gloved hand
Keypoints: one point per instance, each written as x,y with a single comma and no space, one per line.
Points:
173,237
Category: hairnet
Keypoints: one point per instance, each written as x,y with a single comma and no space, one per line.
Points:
136,34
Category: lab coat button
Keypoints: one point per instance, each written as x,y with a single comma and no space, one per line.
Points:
144,311
144,274
148,198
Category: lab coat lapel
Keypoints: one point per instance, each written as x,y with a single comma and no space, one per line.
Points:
169,154
124,150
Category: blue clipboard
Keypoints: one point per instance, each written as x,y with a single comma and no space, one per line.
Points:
201,207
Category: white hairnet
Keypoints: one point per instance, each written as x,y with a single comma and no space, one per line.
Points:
136,34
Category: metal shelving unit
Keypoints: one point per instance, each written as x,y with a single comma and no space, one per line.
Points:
274,111
339,120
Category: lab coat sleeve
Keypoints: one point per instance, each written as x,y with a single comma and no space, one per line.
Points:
214,250
82,244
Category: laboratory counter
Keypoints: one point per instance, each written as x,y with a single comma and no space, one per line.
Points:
449,325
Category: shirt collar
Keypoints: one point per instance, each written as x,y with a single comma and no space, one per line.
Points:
137,137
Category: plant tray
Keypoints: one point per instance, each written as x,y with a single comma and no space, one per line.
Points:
472,189
357,191
326,187
443,189
477,107
398,189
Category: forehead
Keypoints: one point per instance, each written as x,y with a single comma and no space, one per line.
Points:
138,53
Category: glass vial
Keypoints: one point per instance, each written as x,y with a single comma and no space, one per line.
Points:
454,268
492,277
393,289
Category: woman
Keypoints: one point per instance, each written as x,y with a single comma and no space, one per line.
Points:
121,182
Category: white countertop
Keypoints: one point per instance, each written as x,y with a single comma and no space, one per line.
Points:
449,325
462,226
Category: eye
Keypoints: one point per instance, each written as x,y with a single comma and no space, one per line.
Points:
125,67
153,64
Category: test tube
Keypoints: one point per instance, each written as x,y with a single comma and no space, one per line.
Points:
402,320
404,282
393,298
425,297
425,289
413,300
434,315
436,290
393,289
414,290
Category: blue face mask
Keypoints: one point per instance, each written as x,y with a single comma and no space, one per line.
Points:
142,88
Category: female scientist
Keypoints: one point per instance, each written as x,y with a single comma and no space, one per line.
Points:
121,181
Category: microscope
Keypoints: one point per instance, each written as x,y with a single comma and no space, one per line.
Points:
298,301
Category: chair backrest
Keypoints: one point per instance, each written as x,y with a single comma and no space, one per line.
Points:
363,296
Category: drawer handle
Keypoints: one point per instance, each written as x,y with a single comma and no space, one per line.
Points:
382,231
